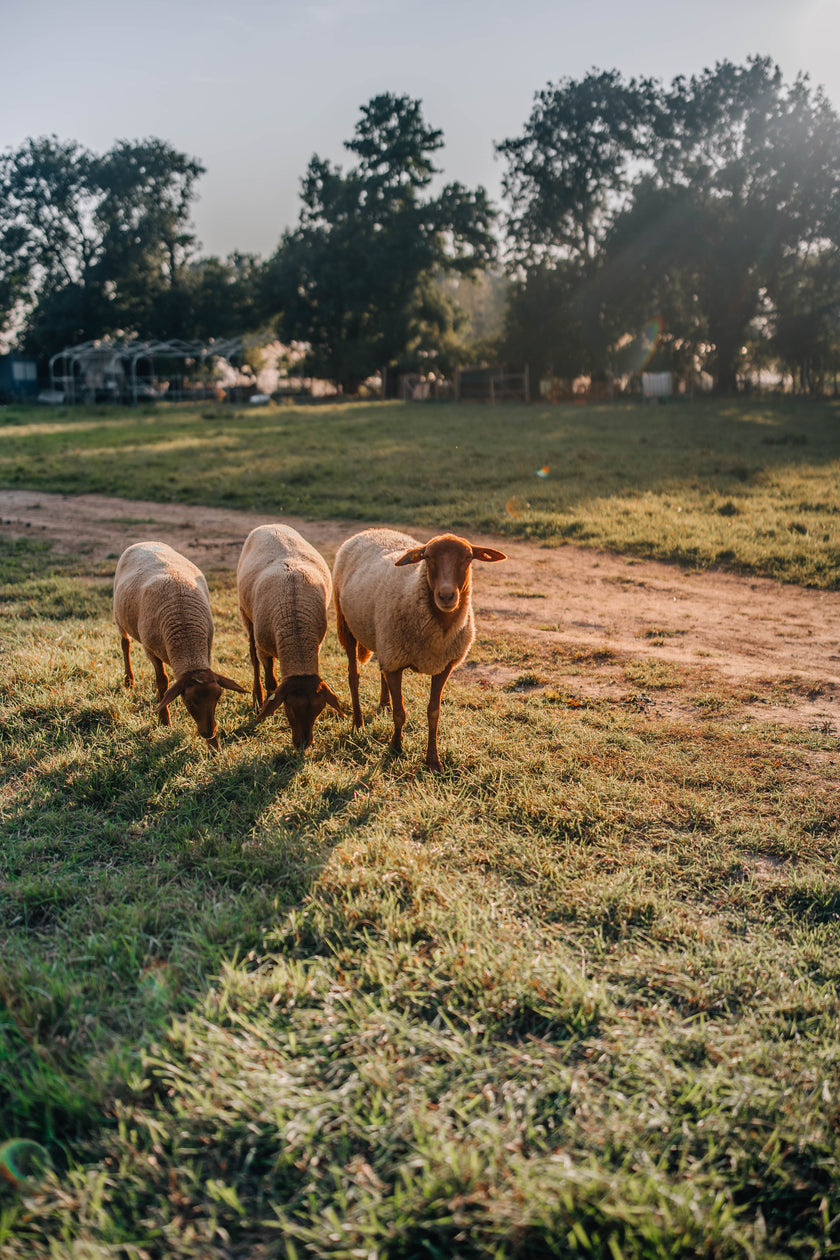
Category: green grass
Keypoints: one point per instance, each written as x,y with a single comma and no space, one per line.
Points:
753,485
576,996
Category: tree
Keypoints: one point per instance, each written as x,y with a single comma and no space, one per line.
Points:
46,242
221,298
571,165
90,244
349,280
693,202
806,334
751,167
566,180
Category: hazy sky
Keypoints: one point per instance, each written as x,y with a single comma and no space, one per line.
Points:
253,88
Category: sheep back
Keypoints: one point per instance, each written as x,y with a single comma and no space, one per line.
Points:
284,587
161,599
389,610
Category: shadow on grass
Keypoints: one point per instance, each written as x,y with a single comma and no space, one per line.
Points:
143,857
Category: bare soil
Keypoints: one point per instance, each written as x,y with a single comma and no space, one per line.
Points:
588,615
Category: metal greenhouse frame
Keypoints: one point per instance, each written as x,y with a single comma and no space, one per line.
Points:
130,371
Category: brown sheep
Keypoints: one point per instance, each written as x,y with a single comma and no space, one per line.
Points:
284,587
416,618
161,600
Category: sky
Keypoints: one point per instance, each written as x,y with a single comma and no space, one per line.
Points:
252,88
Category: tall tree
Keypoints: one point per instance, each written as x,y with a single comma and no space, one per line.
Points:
806,328
349,279
569,169
694,202
567,178
88,243
47,244
221,297
750,169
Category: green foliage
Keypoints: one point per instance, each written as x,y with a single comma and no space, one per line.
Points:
807,328
544,324
568,169
756,164
352,280
577,995
91,244
221,298
696,203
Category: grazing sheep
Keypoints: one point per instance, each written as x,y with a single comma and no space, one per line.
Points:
161,599
418,618
284,587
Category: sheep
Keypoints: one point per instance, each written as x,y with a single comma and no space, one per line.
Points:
417,618
284,588
161,599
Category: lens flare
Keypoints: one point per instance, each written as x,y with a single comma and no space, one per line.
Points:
516,506
543,472
23,1162
649,339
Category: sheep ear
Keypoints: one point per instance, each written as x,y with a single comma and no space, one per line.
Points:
414,556
177,689
331,698
487,553
229,684
273,701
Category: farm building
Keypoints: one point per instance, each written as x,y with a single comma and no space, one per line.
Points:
18,378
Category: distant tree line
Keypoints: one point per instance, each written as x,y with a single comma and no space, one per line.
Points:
710,205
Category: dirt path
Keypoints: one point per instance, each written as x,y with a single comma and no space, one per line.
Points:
740,629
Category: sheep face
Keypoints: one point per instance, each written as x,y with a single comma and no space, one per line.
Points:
304,698
448,559
201,689
201,699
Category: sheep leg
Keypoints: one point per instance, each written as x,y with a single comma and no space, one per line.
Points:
162,685
129,672
433,714
384,694
350,647
269,674
256,691
394,679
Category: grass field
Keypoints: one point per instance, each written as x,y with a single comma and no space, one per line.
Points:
576,996
751,486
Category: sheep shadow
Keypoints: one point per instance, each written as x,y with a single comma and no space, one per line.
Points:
132,876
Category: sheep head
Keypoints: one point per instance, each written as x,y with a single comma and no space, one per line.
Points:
448,559
304,697
201,689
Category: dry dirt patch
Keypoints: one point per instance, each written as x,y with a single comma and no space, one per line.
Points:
598,608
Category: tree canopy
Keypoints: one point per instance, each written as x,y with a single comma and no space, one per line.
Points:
709,207
706,199
93,243
353,278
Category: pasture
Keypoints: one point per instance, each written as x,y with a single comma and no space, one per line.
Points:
578,995
751,486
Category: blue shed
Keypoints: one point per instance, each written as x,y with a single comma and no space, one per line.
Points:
18,378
